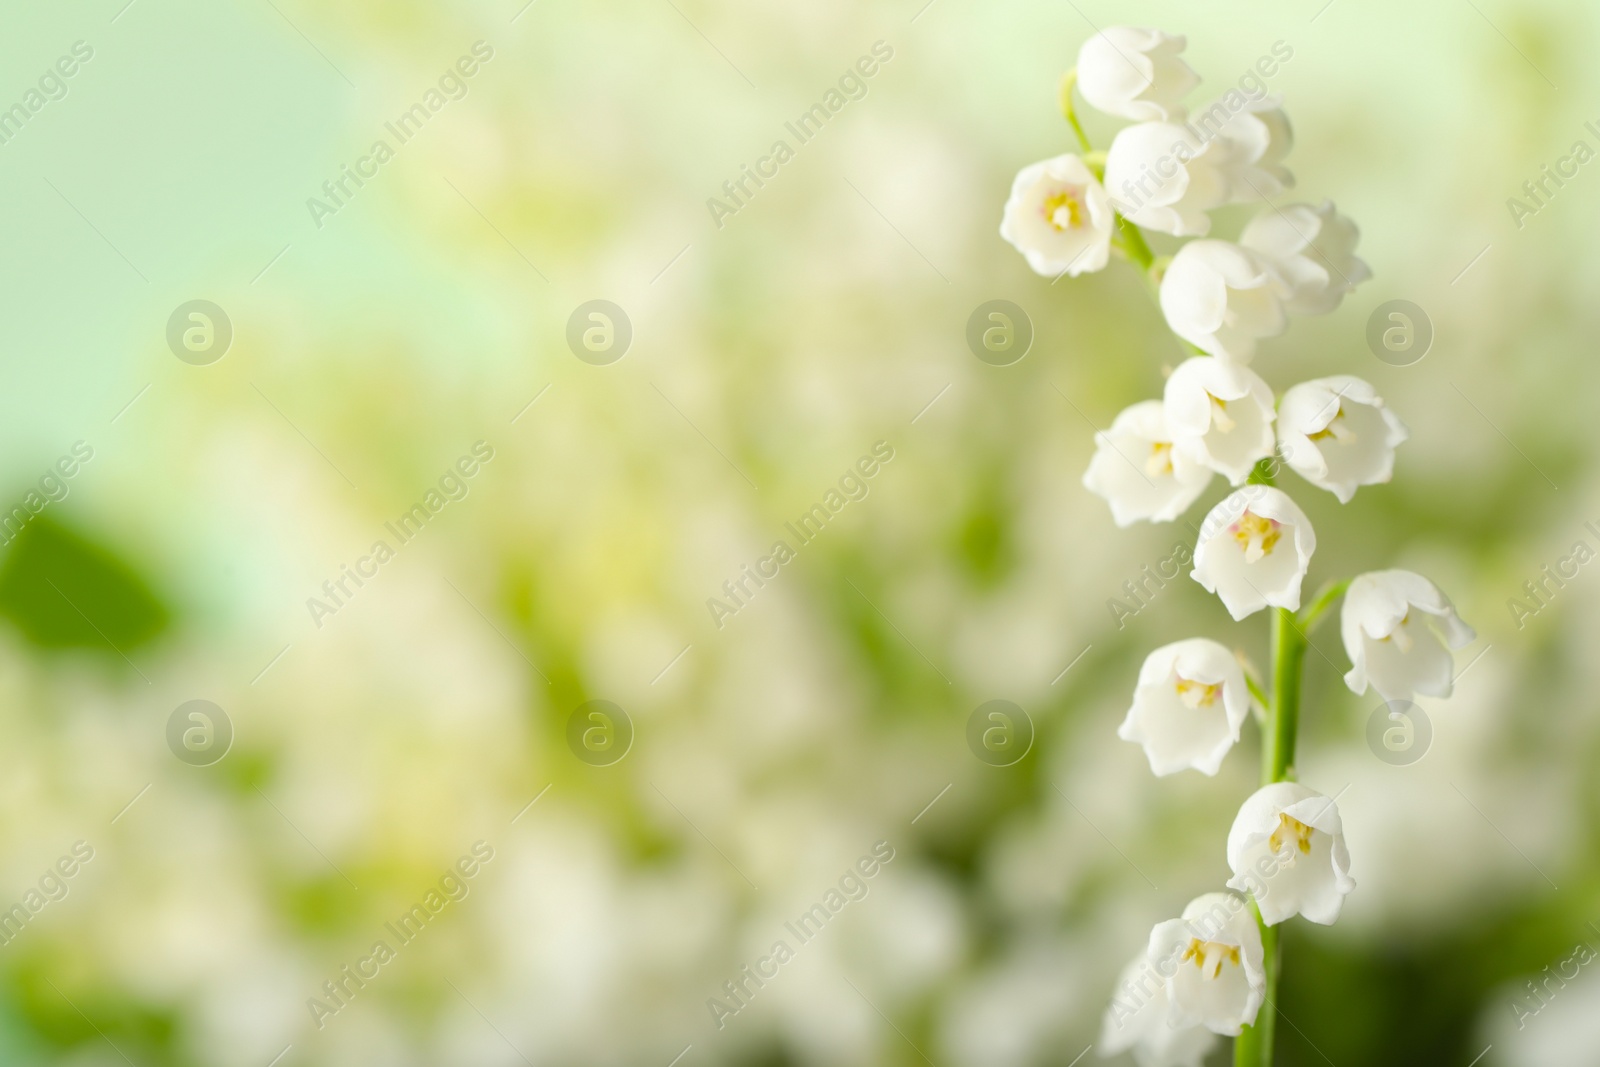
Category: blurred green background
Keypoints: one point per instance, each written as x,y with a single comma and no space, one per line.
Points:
369,753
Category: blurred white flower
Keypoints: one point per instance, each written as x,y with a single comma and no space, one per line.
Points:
1059,217
1222,298
1212,960
1338,435
1286,848
1254,549
1160,176
1135,73
1258,138
1221,414
1395,648
1188,707
1313,250
1136,1019
1139,472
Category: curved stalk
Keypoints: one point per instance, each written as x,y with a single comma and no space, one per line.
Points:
1069,81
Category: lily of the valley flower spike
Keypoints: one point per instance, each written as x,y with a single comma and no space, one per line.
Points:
1222,298
1188,707
1059,217
1221,414
1392,624
1287,849
1140,472
1313,251
1135,73
1254,550
1137,1019
1337,434
1207,972
1214,958
1160,176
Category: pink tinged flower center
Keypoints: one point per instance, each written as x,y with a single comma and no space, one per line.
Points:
1217,952
1063,209
1197,694
1338,429
1256,535
1159,463
1290,828
1219,415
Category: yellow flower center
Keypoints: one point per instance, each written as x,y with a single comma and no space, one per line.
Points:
1219,415
1063,209
1290,827
1198,950
1338,429
1400,637
1197,694
1256,535
1159,463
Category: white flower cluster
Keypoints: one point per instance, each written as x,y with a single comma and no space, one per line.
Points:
1203,973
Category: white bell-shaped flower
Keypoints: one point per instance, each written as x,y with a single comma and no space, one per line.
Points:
1222,298
1139,472
1160,176
1259,138
1337,434
1188,707
1221,414
1212,960
1136,1019
1392,623
1313,250
1287,850
1254,549
1059,217
1135,73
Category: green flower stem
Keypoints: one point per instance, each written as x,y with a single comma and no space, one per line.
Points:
1068,82
1253,1046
